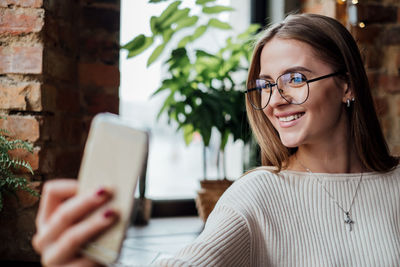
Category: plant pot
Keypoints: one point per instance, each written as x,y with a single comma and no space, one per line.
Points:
208,195
141,211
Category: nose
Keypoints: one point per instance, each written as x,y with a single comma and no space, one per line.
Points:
276,98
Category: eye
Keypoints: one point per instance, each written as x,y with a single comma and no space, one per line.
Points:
261,84
296,79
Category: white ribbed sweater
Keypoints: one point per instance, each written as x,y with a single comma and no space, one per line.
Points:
265,219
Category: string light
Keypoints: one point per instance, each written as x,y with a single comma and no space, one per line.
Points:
361,24
354,2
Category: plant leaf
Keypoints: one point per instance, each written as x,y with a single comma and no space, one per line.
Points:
169,11
162,88
187,22
219,24
156,1
9,182
224,139
167,35
202,53
166,104
154,25
175,17
203,2
216,9
177,55
198,32
253,28
206,135
148,42
136,43
184,41
156,53
188,132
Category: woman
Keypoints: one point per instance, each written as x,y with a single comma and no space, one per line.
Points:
330,193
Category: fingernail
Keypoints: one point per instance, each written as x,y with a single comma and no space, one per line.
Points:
101,192
109,213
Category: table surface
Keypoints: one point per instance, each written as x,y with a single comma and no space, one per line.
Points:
161,238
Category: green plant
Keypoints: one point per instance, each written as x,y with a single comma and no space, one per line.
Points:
203,91
9,180
175,19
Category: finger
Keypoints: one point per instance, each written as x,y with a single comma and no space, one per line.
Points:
71,241
82,262
79,262
36,243
54,192
70,212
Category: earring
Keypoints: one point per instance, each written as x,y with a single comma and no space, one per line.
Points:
348,103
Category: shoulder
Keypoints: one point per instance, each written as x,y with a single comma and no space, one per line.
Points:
254,177
265,173
252,189
396,171
392,174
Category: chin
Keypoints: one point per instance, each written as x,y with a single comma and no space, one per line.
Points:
290,145
290,141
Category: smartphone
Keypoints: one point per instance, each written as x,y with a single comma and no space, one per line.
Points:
114,156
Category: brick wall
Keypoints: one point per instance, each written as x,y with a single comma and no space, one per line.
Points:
379,42
58,67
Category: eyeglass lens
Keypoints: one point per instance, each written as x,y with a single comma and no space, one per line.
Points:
293,87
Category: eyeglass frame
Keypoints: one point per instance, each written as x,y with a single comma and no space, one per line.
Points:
271,85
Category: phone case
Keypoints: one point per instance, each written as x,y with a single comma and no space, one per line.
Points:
114,156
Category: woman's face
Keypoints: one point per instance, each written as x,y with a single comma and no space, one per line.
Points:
322,117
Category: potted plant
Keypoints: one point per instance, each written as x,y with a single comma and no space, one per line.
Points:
10,180
204,92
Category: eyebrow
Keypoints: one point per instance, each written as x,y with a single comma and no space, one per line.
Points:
292,69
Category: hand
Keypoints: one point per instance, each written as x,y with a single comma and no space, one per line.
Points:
66,222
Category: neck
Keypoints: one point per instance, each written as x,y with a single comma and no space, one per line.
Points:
333,157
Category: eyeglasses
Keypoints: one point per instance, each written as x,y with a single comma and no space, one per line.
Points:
293,87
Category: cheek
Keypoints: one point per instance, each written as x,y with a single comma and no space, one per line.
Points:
269,113
327,105
264,100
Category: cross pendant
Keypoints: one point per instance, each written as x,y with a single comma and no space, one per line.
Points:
349,221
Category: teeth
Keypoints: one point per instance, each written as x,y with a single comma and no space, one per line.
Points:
291,117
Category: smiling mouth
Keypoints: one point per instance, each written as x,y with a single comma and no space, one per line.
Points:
291,117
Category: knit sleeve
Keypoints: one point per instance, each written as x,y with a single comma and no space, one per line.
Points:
225,241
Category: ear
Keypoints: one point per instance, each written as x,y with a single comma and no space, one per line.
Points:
347,91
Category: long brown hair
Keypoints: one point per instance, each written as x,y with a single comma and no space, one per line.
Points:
335,45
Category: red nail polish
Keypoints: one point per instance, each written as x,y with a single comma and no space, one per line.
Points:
101,192
109,213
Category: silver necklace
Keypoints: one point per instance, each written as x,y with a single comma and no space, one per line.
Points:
347,219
